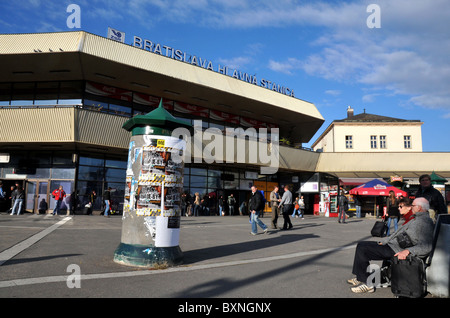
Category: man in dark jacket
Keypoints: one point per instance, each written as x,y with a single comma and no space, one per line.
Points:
434,197
255,207
343,207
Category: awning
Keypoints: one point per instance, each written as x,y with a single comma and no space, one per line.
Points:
376,187
354,181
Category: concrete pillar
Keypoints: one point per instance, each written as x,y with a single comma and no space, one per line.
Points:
152,203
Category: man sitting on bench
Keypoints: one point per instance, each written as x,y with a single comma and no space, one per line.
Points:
414,237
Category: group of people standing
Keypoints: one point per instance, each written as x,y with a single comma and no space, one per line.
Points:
194,206
425,190
17,196
205,206
284,204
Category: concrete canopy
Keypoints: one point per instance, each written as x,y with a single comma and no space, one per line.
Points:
84,56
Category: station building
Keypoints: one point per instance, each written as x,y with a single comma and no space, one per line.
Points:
65,96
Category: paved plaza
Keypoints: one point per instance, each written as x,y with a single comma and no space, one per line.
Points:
221,259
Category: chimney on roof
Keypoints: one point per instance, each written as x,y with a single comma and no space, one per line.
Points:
349,112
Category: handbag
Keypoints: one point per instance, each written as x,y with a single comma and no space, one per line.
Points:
404,241
408,277
379,229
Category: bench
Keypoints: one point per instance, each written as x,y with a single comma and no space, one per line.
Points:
438,262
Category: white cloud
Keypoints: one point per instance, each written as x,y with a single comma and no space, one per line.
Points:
286,67
333,92
369,98
236,62
408,55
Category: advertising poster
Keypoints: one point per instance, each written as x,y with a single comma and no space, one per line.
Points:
154,186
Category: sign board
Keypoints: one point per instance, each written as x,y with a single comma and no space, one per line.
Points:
116,35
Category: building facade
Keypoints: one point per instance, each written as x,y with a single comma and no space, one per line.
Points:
370,133
64,98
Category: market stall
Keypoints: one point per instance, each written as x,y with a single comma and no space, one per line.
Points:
376,188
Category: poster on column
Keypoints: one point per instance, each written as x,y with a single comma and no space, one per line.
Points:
154,186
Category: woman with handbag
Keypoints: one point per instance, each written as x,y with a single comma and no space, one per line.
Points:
296,208
392,213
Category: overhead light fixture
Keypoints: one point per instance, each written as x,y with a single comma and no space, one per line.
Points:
200,99
60,71
223,105
23,73
105,76
140,85
171,92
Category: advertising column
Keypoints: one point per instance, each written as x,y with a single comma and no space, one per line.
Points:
154,183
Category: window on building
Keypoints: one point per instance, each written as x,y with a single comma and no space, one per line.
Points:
383,142
120,110
373,142
407,142
349,142
23,94
46,93
70,93
5,94
97,174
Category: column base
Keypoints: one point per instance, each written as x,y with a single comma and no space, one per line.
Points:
148,256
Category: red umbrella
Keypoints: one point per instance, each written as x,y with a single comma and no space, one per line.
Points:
377,187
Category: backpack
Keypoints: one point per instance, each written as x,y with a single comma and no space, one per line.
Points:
263,197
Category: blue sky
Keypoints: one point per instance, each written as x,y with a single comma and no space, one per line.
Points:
323,50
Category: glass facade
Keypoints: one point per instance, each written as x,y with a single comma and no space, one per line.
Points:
95,175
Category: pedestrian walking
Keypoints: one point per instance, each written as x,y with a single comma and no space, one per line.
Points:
90,205
231,202
274,202
255,207
221,211
19,196
343,207
107,199
296,208
287,207
301,203
196,203
12,198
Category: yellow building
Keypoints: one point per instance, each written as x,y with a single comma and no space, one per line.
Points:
370,133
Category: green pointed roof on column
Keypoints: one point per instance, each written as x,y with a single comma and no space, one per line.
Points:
435,179
159,118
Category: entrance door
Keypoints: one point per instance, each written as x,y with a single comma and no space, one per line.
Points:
30,196
36,192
